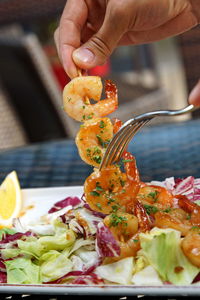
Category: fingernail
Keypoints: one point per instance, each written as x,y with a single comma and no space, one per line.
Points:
83,55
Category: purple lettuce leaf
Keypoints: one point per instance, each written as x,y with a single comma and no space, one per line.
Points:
106,245
73,201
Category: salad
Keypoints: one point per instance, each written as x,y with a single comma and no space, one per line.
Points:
72,245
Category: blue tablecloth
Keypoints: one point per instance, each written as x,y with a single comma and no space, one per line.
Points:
161,151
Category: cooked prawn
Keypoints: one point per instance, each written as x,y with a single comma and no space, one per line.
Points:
117,125
125,228
191,246
175,218
77,92
92,140
110,189
122,225
191,208
182,218
156,196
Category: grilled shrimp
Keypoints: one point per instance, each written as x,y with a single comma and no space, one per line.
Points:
157,196
125,228
175,218
182,218
77,92
110,189
92,140
191,246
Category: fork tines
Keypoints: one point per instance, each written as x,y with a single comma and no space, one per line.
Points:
120,141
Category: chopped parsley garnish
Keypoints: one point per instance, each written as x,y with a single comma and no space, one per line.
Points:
188,217
101,141
115,208
99,188
195,228
136,241
99,205
89,116
94,193
153,195
167,210
150,209
102,124
96,150
97,159
116,220
122,182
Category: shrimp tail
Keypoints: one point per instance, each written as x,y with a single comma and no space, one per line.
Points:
117,124
143,218
111,90
187,205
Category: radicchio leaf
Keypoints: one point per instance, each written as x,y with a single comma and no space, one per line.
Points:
106,245
95,213
3,275
73,201
185,187
10,238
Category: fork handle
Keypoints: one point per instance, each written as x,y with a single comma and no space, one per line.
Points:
187,109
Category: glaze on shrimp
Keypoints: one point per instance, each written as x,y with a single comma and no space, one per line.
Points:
111,189
93,138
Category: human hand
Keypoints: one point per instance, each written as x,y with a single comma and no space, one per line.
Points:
194,97
90,30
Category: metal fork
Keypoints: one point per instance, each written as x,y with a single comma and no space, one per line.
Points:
122,138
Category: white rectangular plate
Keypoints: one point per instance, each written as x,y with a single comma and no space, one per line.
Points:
36,202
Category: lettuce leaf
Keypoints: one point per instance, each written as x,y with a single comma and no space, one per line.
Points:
118,272
162,249
22,271
36,247
147,276
55,265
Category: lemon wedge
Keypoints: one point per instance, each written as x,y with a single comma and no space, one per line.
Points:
10,199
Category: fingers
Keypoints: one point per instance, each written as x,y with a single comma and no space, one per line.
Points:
99,47
194,97
180,24
68,35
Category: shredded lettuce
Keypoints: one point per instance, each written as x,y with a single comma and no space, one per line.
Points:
36,247
162,249
55,265
117,272
22,271
147,276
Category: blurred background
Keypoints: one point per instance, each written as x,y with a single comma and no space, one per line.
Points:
149,77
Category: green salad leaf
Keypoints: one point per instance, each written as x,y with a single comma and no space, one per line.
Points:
54,266
38,246
118,272
22,271
162,249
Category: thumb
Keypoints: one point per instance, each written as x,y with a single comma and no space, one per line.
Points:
100,46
